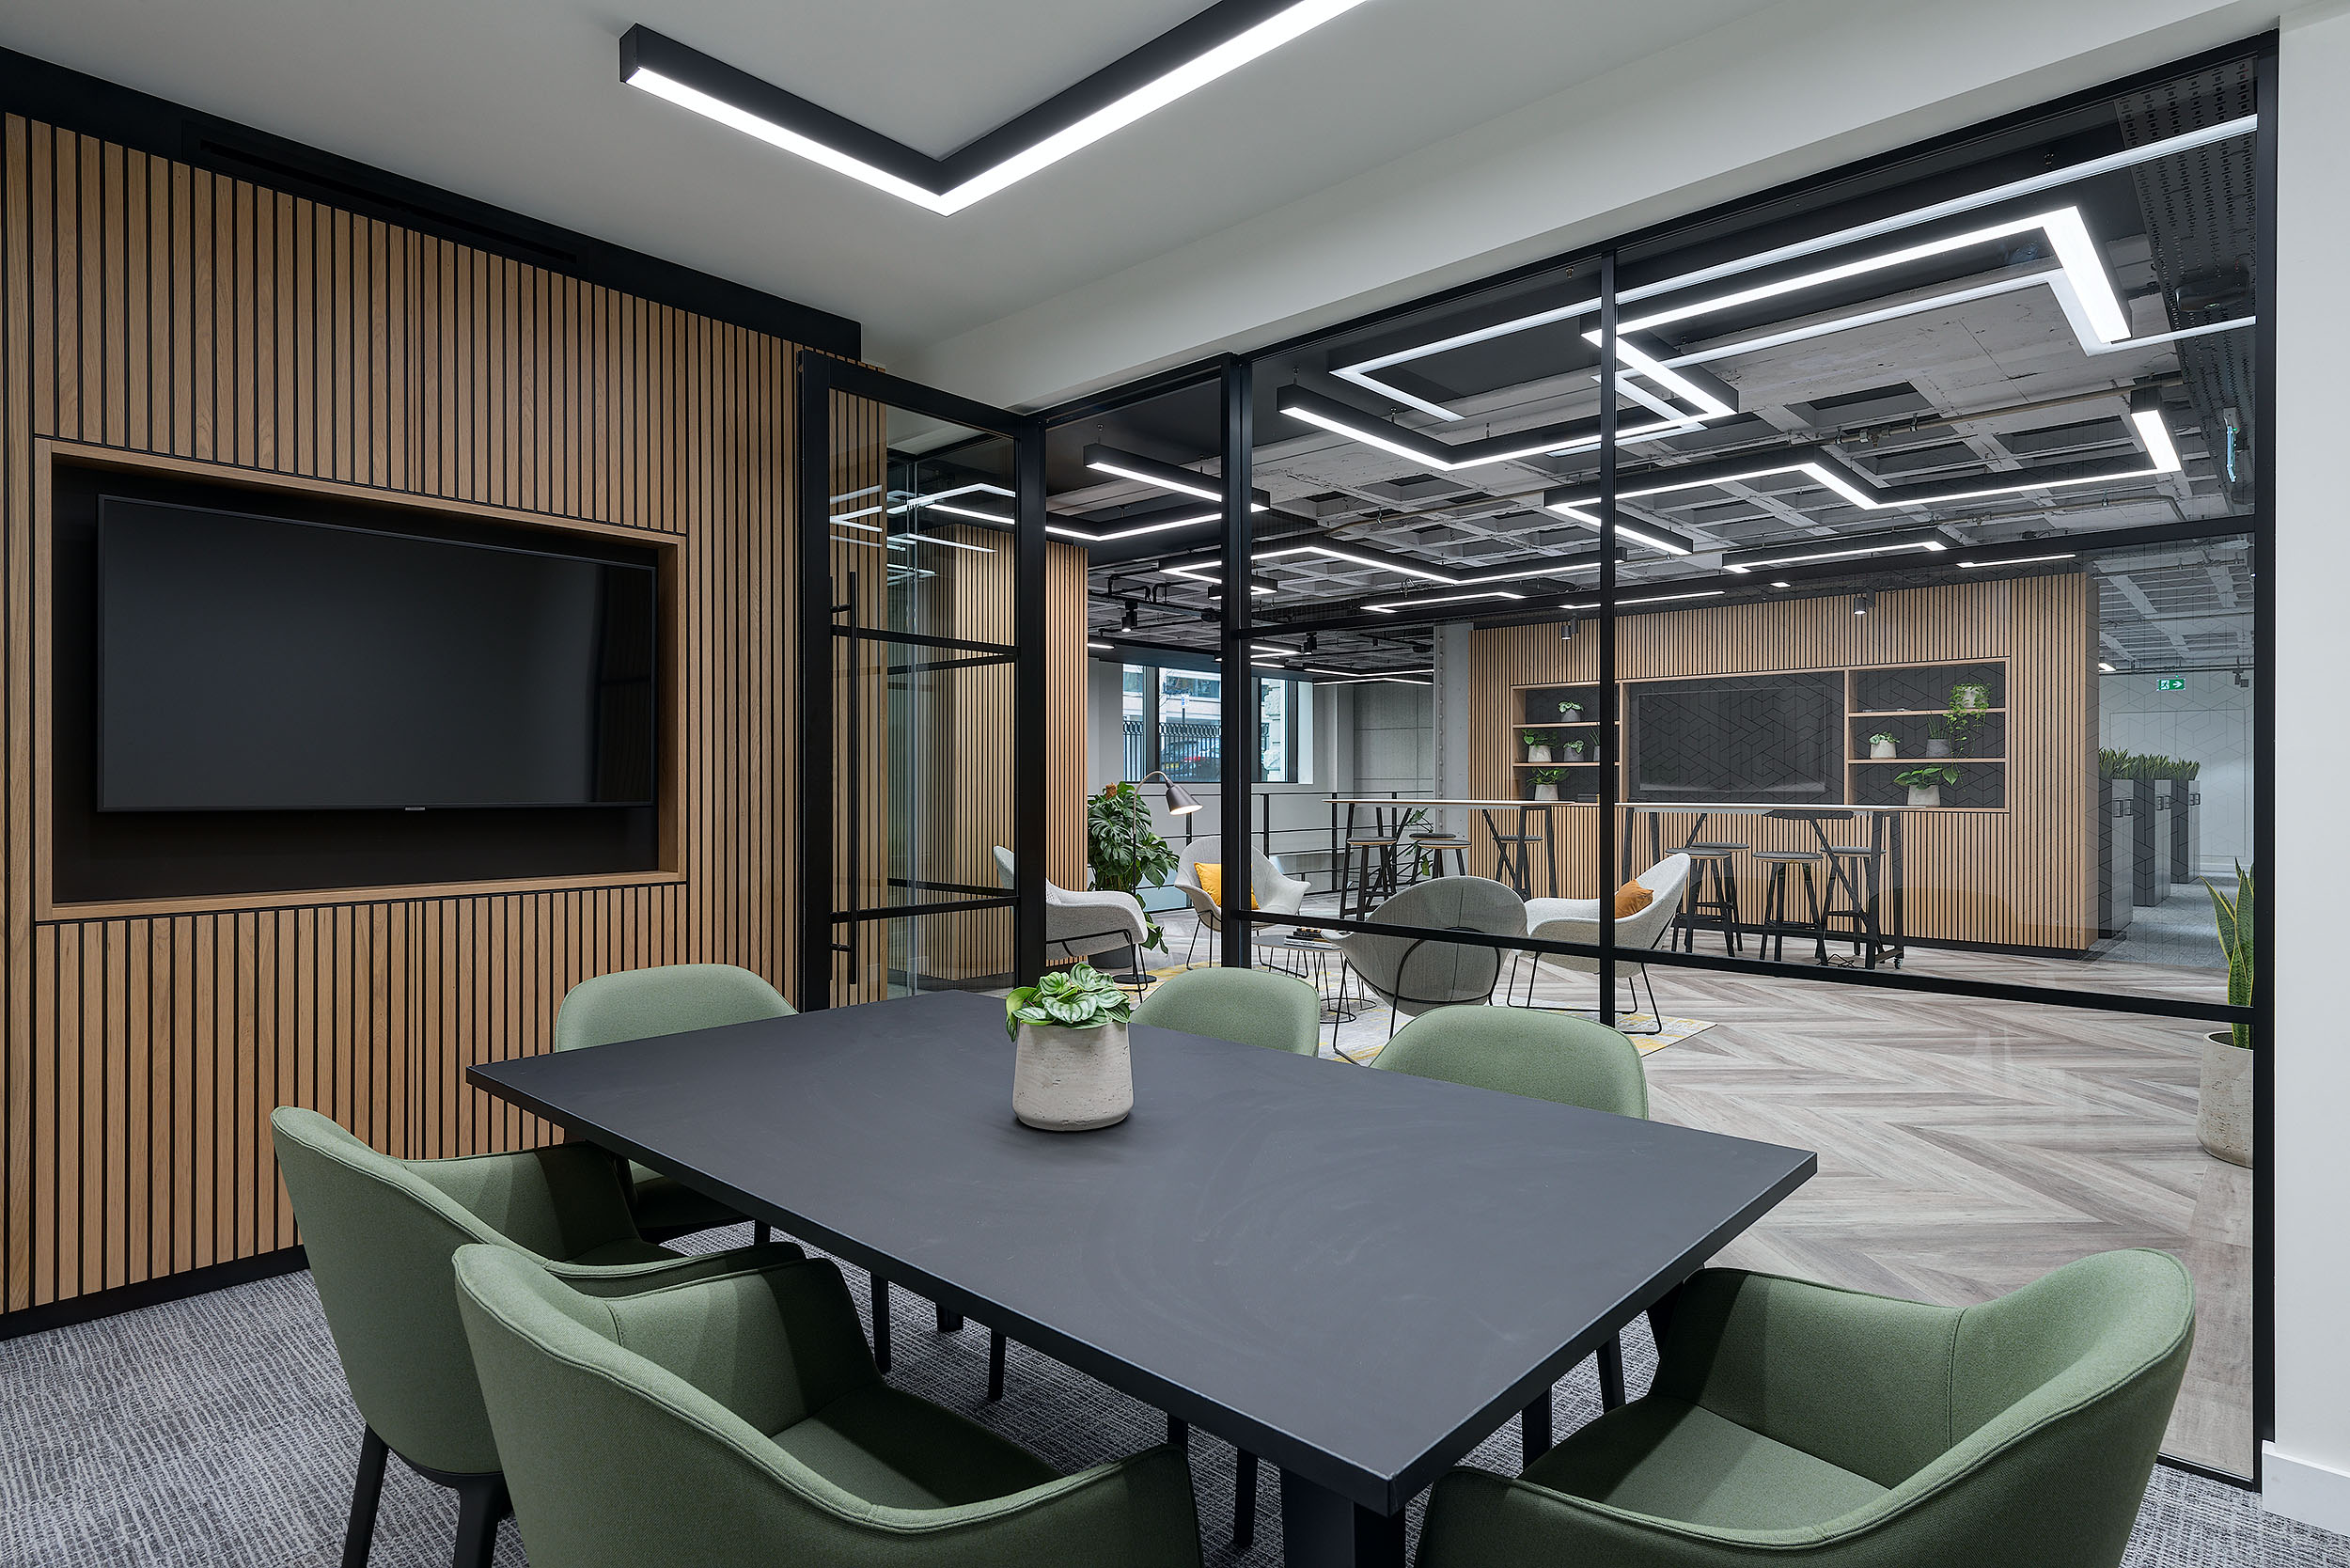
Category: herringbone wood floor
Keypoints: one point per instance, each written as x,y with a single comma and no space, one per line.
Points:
1967,1147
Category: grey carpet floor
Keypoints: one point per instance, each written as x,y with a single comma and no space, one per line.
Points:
217,1431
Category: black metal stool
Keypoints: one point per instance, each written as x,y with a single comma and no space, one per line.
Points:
1513,853
1776,925
1722,906
1378,872
1437,846
1859,869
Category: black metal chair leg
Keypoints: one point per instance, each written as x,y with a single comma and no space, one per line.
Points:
995,1363
365,1492
881,1322
1534,1427
481,1502
1244,1501
1611,1374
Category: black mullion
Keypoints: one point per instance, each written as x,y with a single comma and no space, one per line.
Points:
1238,682
2264,764
1609,703
814,457
1030,699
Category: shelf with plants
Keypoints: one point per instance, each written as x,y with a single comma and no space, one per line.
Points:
1570,762
1901,749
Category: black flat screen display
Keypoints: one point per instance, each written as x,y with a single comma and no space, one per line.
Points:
263,664
1775,740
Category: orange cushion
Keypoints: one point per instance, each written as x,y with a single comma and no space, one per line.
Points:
1631,898
1211,875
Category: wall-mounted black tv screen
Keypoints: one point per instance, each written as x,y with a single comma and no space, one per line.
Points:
266,663
1776,740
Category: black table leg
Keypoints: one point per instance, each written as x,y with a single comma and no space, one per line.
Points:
1611,1374
994,1363
1322,1530
881,1322
1178,1432
1534,1427
1244,1499
949,1322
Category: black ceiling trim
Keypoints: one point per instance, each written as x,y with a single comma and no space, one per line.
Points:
73,100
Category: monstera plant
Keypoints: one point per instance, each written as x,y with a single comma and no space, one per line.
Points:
1126,852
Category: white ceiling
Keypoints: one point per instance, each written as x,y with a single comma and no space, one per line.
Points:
519,103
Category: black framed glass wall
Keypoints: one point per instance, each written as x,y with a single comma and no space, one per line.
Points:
1871,572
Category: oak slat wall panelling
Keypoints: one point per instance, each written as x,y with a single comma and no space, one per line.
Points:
2019,875
161,312
1066,861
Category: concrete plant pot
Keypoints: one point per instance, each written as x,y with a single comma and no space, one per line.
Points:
1545,792
2223,1105
1538,754
1066,1080
1938,747
1930,795
1884,748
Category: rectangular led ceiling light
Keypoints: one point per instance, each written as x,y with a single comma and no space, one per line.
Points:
1848,547
1394,605
1166,476
1182,61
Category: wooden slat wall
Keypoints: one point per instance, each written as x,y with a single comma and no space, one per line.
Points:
2018,876
149,306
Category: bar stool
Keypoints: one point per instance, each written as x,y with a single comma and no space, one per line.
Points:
1859,869
1439,845
1514,854
1721,906
1377,873
1776,925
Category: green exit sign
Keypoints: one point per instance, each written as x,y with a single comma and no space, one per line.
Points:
2171,683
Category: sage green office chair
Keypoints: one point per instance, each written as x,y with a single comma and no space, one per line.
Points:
380,1232
1796,1424
640,1004
1543,1056
1256,1007
739,1422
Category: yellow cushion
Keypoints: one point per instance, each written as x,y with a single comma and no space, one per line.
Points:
1631,898
1211,875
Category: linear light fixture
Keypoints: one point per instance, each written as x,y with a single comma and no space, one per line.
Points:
867,543
2106,667
1394,605
950,543
1166,476
905,502
1065,531
2069,255
2020,560
1558,440
1101,646
1182,61
1570,503
1848,547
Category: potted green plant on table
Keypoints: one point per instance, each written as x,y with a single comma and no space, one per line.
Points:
1125,851
2223,1103
1925,784
1884,746
1537,746
1958,725
1072,1072
1547,782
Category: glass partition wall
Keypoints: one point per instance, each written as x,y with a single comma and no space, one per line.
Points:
1837,623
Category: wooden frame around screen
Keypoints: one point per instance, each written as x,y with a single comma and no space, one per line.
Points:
49,455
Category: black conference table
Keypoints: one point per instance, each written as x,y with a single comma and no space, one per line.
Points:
1357,1275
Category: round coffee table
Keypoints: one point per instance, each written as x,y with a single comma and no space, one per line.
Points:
1308,959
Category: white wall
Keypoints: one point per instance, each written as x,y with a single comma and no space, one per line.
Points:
1802,87
2211,723
2307,1470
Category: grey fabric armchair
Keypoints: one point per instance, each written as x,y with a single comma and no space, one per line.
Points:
1577,920
380,1232
1277,892
1077,925
1412,974
738,1423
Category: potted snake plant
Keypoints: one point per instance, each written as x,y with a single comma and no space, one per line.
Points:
1072,1072
2223,1102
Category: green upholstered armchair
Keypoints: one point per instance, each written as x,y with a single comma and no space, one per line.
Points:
739,1421
671,999
1794,1424
1254,1007
380,1232
1543,1056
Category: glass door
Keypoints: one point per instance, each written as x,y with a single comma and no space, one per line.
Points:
918,768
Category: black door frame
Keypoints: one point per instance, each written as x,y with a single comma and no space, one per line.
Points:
818,376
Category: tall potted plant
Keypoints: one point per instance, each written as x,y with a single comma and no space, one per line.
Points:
1072,1072
1126,852
2223,1106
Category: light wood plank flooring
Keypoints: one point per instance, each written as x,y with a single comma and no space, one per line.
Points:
1966,1148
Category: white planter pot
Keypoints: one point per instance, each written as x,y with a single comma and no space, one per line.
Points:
2223,1108
1930,795
1538,754
1884,748
1939,746
1066,1080
1545,792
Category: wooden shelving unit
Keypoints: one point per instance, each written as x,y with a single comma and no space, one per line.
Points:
1900,694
